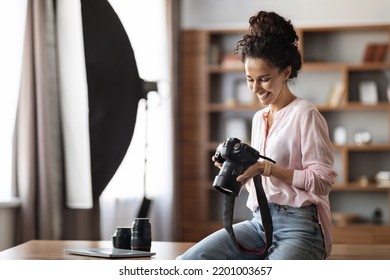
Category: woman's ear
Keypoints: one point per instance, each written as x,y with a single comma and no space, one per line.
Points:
287,72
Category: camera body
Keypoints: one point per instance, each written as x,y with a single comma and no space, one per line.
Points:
235,157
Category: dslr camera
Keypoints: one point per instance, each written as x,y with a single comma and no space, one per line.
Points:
235,157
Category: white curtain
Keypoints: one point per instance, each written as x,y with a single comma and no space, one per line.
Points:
12,26
74,114
148,164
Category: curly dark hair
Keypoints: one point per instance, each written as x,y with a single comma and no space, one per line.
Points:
273,38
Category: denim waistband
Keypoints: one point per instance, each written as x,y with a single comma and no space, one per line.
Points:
278,206
310,210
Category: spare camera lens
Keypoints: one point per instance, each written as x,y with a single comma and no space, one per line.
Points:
122,238
141,234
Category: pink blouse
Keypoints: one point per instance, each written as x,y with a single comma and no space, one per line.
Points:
299,140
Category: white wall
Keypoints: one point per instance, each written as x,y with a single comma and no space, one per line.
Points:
235,13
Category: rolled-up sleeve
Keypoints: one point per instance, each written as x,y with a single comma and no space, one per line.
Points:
317,174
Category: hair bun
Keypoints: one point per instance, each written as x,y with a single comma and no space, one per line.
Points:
273,27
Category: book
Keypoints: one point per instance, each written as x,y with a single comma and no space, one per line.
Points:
231,61
214,54
380,53
369,53
376,52
336,95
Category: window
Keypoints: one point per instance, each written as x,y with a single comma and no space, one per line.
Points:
12,25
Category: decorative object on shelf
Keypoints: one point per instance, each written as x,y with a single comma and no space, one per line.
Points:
237,128
382,179
343,219
368,92
242,94
362,138
377,216
363,181
340,135
336,95
230,102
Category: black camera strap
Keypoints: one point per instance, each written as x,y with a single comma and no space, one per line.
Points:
265,217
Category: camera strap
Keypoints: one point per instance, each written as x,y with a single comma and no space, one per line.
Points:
265,217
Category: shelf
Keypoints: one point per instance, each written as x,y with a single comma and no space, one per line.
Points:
356,187
364,148
368,66
354,106
337,66
218,107
218,69
370,226
366,27
314,66
327,66
361,233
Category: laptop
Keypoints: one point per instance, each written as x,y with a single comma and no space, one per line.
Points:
109,253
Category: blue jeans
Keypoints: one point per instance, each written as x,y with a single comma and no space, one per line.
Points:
297,236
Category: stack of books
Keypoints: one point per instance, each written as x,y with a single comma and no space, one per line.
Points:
232,61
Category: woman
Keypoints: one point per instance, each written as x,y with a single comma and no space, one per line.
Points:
291,131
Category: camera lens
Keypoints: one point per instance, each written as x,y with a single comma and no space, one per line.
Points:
141,234
122,238
226,181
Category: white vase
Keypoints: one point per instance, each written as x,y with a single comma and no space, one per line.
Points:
340,135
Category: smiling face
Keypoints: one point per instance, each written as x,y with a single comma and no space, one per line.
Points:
266,82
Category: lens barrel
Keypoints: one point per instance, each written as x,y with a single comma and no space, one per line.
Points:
226,181
121,238
141,234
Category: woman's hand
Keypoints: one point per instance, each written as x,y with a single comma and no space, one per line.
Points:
284,174
251,171
216,163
